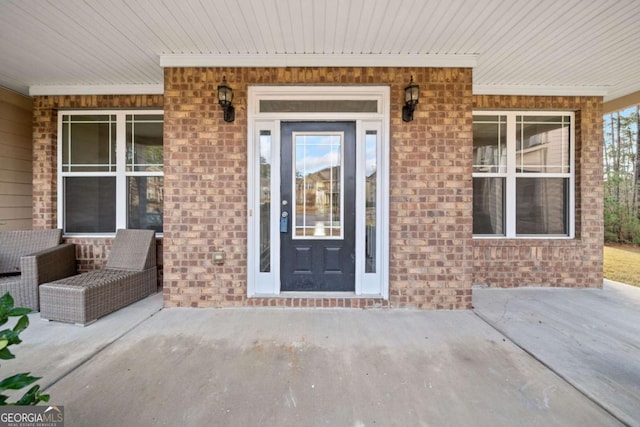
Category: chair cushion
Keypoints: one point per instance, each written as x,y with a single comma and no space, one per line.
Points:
92,279
15,244
133,250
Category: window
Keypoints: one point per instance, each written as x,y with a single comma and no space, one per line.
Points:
110,171
265,200
318,209
523,177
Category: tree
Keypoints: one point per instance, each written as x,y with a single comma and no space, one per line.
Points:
622,176
636,181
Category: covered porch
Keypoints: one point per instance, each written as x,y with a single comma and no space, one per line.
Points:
160,148
540,356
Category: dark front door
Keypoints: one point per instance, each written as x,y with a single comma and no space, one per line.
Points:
317,224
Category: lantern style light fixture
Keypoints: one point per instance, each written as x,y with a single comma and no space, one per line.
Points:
411,95
225,97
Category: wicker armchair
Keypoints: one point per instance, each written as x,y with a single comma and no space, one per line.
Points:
31,257
130,275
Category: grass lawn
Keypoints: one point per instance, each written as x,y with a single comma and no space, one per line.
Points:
622,264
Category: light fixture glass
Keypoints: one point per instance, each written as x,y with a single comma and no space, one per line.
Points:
225,98
411,96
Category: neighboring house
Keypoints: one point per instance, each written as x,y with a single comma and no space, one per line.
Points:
318,193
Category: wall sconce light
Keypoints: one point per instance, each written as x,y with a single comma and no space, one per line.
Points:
411,95
225,97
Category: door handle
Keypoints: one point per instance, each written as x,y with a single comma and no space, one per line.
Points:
284,222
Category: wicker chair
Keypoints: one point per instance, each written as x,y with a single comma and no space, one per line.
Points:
130,275
31,257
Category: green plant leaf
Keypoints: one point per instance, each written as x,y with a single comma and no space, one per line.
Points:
6,302
10,336
5,354
19,311
22,324
33,397
17,381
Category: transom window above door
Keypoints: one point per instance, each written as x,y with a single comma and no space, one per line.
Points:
110,171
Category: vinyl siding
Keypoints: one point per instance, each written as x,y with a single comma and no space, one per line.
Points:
16,161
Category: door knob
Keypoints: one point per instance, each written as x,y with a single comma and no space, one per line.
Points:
284,222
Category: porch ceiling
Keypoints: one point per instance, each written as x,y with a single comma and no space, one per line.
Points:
523,46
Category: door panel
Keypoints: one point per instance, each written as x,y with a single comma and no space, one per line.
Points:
318,165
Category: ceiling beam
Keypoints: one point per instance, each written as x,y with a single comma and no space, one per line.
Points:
621,103
540,90
318,60
132,89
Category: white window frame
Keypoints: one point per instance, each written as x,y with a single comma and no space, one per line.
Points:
511,175
120,174
267,284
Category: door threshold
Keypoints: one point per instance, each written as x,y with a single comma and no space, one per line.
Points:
316,295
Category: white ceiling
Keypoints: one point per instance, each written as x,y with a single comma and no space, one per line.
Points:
570,47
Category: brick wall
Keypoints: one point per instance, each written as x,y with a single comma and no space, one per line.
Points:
91,253
206,188
433,258
574,263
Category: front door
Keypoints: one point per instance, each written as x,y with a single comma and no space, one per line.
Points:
317,222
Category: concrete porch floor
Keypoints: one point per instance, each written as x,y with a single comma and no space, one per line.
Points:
144,366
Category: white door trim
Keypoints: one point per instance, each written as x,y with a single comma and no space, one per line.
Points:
267,284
